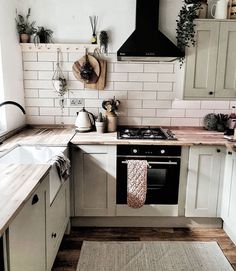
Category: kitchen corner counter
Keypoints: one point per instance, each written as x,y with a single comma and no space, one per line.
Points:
186,137
17,184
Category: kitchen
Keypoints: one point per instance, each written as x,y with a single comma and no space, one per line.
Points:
201,163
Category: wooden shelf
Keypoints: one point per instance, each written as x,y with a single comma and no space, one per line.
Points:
53,47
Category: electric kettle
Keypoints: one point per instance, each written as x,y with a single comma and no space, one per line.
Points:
85,121
221,9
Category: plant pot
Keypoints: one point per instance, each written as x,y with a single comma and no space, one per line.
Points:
100,127
112,123
24,38
57,85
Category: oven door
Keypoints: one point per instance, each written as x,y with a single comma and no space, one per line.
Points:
162,180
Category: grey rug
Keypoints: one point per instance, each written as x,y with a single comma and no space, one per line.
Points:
152,256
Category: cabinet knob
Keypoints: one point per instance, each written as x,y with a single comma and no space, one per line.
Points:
230,153
211,93
218,150
35,199
54,235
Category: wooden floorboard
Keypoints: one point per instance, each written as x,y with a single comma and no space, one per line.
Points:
69,252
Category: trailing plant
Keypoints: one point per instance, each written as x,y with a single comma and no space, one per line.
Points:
43,35
185,24
23,24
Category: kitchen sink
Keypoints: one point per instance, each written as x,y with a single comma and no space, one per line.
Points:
37,155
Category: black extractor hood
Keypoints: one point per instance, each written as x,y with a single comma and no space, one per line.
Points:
147,43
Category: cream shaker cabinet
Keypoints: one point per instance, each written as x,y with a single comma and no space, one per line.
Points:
210,65
206,167
26,239
228,213
94,180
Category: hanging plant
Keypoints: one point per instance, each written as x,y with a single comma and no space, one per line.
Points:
185,25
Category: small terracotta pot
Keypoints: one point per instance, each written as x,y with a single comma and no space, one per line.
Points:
24,38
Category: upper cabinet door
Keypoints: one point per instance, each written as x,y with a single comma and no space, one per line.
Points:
226,67
201,61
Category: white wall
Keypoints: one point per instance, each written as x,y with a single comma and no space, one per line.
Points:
12,74
70,23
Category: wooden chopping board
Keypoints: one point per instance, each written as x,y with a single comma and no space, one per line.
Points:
101,83
96,69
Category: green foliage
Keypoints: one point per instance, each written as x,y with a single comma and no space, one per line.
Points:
43,35
185,24
101,118
23,24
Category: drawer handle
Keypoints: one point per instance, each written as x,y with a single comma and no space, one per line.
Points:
230,153
54,235
35,199
211,93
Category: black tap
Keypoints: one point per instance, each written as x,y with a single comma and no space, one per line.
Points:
13,103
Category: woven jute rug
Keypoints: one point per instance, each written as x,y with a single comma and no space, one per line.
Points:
152,256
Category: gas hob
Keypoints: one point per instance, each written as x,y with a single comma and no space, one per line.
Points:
157,133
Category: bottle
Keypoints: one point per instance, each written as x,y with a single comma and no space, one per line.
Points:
232,119
203,10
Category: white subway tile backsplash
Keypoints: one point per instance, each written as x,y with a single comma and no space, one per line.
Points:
215,105
31,75
141,112
156,104
185,122
170,113
39,102
38,84
158,86
122,67
38,66
140,95
117,76
186,104
53,111
143,77
159,67
111,94
147,92
29,56
37,120
156,121
167,77
31,93
128,86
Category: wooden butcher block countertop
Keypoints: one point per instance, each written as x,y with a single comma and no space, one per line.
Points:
185,137
17,184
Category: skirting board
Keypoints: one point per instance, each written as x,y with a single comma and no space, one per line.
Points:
231,233
165,222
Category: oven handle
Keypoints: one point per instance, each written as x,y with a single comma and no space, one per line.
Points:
157,163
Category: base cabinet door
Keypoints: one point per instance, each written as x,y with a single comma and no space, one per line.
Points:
26,240
204,174
57,219
94,180
228,212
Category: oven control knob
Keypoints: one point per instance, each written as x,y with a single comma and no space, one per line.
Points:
163,151
135,151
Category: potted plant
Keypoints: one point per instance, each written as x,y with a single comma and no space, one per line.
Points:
43,35
185,24
111,107
24,27
100,123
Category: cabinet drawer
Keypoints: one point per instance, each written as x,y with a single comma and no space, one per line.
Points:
57,220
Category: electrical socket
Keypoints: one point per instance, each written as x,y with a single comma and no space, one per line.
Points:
77,102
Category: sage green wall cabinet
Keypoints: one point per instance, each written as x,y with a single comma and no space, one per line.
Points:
229,196
206,167
94,178
26,240
210,64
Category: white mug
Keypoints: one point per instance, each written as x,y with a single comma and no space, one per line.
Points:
221,9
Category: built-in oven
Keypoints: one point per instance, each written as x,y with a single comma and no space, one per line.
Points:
162,173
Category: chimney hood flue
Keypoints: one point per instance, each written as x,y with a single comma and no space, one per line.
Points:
147,43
